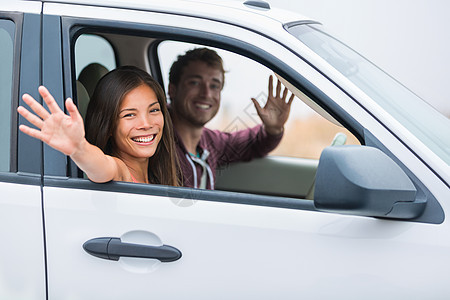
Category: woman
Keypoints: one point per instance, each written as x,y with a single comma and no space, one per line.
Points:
129,135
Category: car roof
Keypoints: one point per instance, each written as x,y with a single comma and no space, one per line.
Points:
235,12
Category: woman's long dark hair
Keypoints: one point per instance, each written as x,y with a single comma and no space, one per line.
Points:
102,118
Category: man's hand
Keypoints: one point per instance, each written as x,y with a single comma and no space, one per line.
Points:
276,111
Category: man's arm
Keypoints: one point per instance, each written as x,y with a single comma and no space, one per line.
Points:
242,145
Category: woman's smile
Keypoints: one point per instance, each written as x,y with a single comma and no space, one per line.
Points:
147,139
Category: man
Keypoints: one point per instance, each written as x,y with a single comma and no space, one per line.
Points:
196,80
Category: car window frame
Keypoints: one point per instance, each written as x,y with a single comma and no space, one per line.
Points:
20,171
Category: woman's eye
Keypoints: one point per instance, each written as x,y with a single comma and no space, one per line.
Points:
155,110
128,115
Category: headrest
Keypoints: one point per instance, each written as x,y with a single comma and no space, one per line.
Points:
82,99
90,76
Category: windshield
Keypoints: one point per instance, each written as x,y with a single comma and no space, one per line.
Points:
427,124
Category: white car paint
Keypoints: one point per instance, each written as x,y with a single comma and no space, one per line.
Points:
22,265
236,251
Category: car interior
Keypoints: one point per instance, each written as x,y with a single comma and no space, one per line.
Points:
285,175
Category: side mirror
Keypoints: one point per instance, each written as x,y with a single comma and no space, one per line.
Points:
364,181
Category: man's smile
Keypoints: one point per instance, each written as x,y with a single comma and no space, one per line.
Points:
202,105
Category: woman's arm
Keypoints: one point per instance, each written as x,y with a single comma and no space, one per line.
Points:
65,133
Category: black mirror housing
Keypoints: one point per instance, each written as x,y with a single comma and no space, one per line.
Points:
364,181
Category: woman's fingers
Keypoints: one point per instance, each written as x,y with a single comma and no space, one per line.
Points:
72,109
32,118
38,109
49,100
35,106
31,132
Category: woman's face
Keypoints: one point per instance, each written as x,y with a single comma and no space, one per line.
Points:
140,124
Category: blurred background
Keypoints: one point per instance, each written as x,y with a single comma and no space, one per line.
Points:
406,38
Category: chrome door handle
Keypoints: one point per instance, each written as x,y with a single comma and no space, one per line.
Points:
113,248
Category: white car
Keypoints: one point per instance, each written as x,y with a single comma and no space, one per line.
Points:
376,227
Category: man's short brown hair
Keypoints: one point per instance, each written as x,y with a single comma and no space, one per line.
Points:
210,57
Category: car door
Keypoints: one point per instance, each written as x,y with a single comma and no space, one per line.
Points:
217,244
22,254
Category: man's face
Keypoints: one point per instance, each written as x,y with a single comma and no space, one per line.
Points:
196,98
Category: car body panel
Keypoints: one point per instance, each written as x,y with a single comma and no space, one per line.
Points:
22,259
22,255
226,11
34,7
237,250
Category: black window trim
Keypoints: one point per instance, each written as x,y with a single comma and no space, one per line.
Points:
29,150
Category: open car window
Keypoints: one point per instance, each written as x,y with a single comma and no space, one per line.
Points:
308,130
